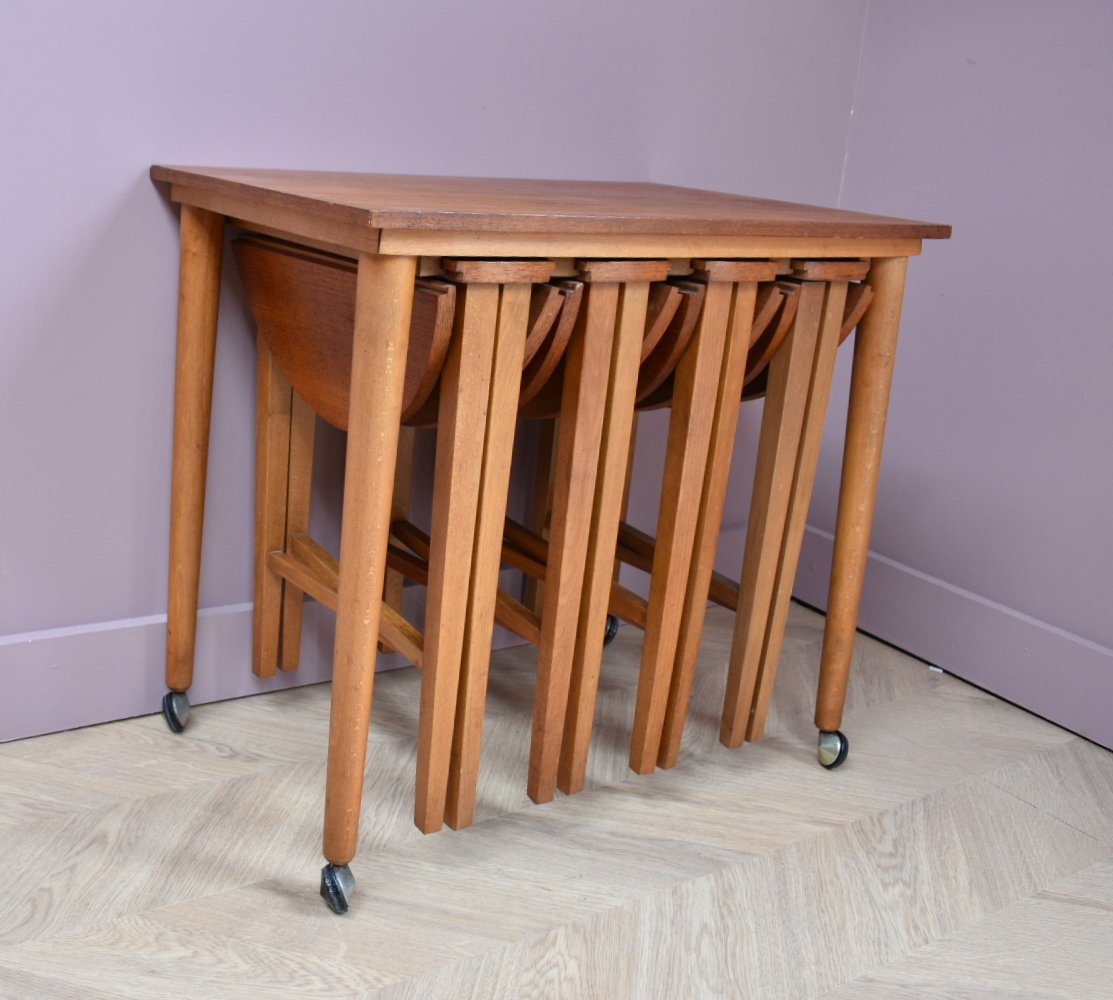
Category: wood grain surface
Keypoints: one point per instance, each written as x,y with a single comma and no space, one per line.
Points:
963,851
504,205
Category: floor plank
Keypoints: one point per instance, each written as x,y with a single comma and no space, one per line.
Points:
137,864
1073,782
1058,943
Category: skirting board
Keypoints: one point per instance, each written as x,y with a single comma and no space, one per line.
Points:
1055,674
70,677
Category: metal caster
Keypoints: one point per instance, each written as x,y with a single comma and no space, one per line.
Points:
611,630
833,748
175,710
337,885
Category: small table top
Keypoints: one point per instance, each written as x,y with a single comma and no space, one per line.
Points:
498,205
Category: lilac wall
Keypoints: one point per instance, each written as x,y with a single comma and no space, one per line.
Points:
992,535
743,96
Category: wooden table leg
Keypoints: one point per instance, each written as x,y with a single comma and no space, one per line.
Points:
498,446
874,353
693,409
541,504
712,499
403,490
778,443
583,402
796,519
610,487
272,466
202,235
464,393
384,299
303,431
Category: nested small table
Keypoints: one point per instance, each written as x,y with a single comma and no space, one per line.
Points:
390,223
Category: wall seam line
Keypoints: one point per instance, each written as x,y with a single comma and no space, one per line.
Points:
853,103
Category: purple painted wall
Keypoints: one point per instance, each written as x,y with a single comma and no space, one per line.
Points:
742,96
992,535
992,544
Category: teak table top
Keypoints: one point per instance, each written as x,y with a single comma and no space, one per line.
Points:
427,214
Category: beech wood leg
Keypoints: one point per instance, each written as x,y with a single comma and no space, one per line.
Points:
629,480
875,347
498,447
716,477
541,504
583,402
303,430
272,458
202,235
384,299
807,457
693,408
400,507
781,425
610,487
465,389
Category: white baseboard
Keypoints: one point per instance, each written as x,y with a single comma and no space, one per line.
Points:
1053,673
69,677
65,678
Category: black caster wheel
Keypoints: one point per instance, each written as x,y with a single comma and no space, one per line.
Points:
337,885
610,631
175,710
833,748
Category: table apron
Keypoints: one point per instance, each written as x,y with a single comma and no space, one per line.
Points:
434,243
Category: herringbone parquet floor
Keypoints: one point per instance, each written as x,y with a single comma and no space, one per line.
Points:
964,851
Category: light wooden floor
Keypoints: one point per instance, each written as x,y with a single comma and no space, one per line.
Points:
964,851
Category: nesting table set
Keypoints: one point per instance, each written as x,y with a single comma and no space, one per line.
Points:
389,302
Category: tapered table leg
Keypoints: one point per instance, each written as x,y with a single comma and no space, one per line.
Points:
272,467
541,503
778,444
403,489
610,486
461,426
586,375
498,446
198,303
303,430
384,298
811,438
713,497
693,409
588,392
874,354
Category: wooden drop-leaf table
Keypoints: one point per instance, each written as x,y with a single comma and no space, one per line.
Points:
392,224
